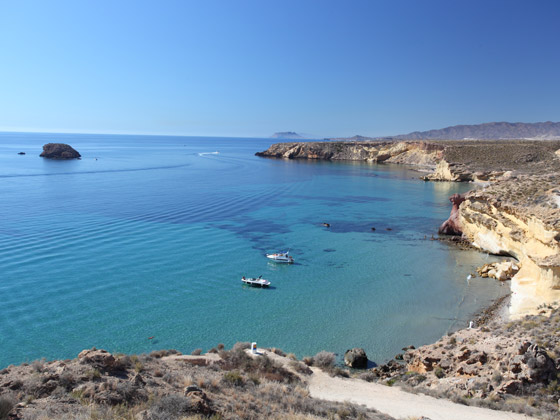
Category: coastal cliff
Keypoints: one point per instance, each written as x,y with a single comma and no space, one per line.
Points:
413,153
520,217
513,210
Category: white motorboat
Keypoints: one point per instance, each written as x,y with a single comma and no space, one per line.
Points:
280,257
258,282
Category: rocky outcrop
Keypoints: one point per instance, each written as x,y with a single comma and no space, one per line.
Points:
494,362
59,151
502,271
356,358
452,226
98,359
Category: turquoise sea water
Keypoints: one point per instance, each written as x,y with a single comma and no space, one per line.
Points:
149,236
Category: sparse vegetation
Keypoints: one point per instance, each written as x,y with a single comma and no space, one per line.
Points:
7,402
237,386
324,359
513,366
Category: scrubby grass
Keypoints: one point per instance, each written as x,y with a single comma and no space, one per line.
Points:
324,359
7,402
237,386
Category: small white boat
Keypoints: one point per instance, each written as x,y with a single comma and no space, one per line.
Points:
281,257
258,282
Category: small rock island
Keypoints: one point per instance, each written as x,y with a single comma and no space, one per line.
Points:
59,151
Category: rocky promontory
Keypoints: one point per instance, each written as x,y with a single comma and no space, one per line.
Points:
59,151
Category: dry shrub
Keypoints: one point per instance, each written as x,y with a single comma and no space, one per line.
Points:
242,345
324,359
308,360
196,362
300,367
196,352
261,365
7,402
278,352
234,377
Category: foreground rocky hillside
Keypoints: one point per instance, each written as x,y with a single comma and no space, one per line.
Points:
165,385
509,366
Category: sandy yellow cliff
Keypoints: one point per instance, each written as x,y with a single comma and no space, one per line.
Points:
520,217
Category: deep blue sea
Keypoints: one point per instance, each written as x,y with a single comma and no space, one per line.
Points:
149,236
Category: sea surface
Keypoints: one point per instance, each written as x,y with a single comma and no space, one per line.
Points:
149,236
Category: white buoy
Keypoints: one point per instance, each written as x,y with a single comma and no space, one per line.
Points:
469,277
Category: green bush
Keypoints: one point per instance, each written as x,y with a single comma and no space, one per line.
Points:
234,378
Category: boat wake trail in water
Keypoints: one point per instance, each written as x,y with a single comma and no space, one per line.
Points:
154,168
208,153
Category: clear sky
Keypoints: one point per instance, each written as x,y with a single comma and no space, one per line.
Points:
251,68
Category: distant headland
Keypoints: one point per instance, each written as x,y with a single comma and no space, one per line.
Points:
289,135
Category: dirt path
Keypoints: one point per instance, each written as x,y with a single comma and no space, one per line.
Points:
391,400
397,403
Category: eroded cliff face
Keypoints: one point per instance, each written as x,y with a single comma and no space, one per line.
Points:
412,153
520,217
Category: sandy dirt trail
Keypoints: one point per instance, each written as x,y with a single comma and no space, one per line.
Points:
397,403
392,401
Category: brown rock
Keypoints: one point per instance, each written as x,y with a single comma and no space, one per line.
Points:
511,387
522,347
452,226
59,151
468,370
99,359
481,358
356,358
199,401
464,355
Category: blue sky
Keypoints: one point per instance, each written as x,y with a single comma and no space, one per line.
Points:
251,68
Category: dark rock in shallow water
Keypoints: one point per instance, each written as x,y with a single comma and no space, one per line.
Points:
356,358
59,151
452,226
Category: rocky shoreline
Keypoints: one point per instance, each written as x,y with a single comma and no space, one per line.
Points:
513,209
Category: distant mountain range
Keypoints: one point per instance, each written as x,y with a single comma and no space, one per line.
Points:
287,135
488,131
492,130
